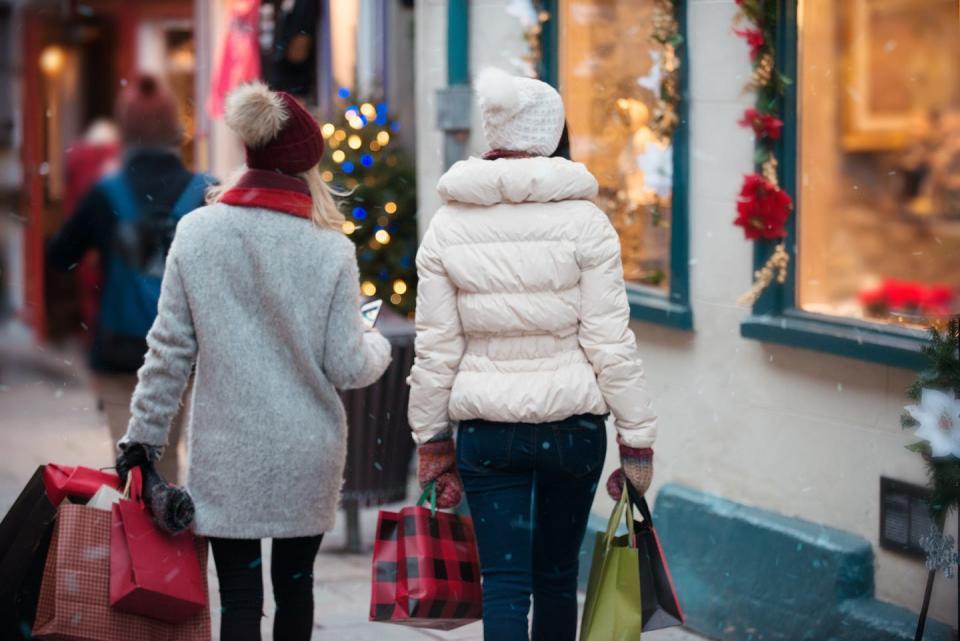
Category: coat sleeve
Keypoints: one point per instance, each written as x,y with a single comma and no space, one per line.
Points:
439,345
353,356
89,223
605,334
171,353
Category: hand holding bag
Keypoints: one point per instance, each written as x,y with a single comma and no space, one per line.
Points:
152,573
661,608
426,571
613,607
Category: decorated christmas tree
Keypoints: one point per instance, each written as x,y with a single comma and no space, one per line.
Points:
377,179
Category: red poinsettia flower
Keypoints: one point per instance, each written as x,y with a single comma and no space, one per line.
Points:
763,125
937,300
763,209
755,39
902,295
907,297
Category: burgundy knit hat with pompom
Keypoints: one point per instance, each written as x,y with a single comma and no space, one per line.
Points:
278,132
147,114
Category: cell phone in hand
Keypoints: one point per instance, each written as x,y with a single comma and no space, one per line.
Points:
370,312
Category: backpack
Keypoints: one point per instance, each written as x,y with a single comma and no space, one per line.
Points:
133,274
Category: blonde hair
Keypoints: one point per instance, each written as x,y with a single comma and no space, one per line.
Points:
325,213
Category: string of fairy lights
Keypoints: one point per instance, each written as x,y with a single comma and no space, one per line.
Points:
357,144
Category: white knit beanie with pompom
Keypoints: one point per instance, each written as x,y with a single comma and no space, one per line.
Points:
519,114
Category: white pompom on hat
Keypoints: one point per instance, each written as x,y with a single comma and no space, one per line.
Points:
519,114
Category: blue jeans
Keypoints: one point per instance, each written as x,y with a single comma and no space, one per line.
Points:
530,488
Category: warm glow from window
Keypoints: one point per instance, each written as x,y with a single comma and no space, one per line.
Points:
878,171
610,73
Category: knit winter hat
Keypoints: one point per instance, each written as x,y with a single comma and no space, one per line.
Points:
519,114
147,114
278,132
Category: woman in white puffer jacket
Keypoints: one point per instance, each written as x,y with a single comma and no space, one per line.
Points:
523,338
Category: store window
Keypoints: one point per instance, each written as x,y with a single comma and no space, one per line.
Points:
610,73
878,144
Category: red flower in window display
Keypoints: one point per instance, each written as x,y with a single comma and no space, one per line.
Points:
755,39
763,125
763,209
903,296
937,301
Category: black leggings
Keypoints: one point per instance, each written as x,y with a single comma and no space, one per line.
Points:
241,587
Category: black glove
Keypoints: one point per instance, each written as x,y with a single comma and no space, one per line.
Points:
131,455
171,506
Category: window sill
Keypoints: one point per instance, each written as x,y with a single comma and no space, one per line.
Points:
654,307
894,346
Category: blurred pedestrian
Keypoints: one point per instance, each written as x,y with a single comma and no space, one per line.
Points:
129,218
262,292
87,161
523,337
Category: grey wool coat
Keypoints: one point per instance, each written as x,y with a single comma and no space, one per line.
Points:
267,306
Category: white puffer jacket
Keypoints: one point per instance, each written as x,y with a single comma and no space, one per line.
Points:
522,312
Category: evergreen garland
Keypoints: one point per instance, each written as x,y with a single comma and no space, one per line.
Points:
942,373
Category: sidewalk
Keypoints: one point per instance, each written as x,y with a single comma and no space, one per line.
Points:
48,413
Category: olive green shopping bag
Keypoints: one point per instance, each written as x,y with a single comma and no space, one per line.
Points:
613,609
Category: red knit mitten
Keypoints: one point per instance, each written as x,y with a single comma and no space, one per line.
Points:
637,465
438,462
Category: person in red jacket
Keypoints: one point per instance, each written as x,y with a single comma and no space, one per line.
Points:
87,162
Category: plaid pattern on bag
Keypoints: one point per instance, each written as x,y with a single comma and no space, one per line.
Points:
74,597
426,572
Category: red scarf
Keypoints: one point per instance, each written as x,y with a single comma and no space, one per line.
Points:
271,190
494,154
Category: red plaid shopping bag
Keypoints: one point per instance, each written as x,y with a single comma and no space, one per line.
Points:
74,597
426,572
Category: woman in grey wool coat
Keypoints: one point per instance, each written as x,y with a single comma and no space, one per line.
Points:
261,293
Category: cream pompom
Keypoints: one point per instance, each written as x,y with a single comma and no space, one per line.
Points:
255,113
497,90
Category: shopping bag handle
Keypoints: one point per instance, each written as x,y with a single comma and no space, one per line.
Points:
640,501
431,491
134,488
623,507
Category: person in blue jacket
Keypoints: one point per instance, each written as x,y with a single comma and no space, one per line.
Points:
129,218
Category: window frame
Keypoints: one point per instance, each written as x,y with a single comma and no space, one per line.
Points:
672,308
775,317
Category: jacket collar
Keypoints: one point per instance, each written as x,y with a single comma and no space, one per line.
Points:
516,180
271,190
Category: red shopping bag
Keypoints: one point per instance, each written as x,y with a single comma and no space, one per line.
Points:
152,573
75,594
62,481
426,572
